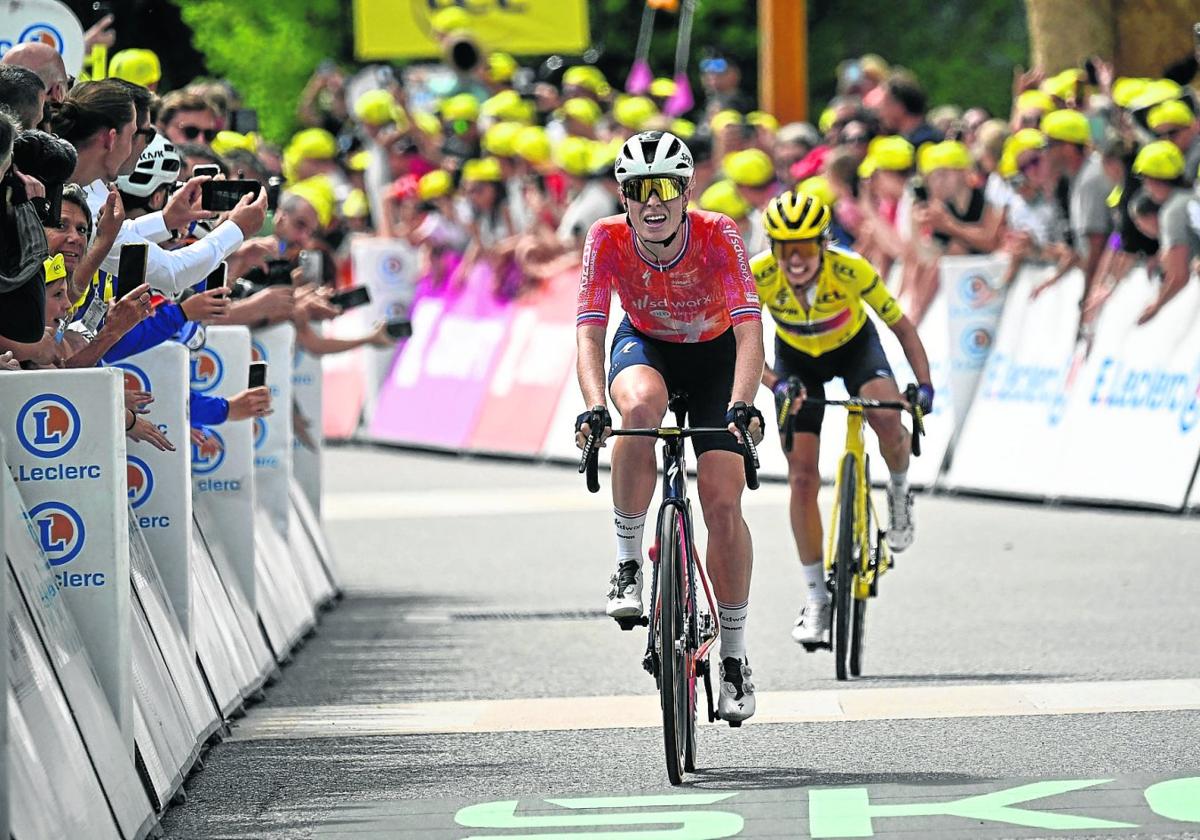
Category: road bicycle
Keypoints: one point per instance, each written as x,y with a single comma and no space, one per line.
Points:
681,633
857,554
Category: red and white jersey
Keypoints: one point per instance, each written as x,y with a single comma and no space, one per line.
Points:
707,289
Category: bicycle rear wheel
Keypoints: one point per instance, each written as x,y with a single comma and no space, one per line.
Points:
844,566
672,684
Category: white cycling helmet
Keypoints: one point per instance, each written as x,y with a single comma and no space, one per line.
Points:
653,154
158,166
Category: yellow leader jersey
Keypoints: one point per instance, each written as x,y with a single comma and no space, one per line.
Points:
836,313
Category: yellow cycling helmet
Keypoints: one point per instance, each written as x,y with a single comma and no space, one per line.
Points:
1160,160
723,197
136,65
818,187
749,168
435,184
796,216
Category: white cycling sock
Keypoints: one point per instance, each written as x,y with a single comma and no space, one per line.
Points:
733,629
629,535
814,582
900,480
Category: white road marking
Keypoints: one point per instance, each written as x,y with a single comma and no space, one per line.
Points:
851,704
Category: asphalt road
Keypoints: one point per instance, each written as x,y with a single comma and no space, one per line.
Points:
1031,671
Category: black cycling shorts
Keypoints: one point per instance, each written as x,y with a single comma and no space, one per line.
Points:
703,370
856,362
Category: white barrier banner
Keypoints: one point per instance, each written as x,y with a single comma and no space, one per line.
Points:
160,481
273,434
1121,424
974,297
223,469
4,596
389,268
306,448
66,448
45,22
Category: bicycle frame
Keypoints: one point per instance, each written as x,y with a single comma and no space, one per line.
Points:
866,572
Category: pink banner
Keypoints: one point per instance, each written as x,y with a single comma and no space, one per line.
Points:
535,364
438,382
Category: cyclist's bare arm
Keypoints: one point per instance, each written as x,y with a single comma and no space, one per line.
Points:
751,361
914,350
589,340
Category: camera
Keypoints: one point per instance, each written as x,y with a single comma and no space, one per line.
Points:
51,161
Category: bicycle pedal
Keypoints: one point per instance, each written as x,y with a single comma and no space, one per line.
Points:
735,724
630,622
815,646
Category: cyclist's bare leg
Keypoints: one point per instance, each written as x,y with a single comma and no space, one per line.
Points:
730,557
804,481
640,395
893,437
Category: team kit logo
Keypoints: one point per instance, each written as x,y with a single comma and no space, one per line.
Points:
60,532
140,479
48,426
207,370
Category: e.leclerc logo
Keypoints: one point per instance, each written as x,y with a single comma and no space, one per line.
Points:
207,457
258,353
42,33
976,291
140,479
207,370
135,378
60,531
260,432
48,426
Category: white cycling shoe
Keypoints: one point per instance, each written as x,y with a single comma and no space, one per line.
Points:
625,594
813,623
736,701
901,522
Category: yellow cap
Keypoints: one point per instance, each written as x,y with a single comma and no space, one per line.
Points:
1127,89
1173,112
1067,127
501,66
580,109
375,107
500,139
435,184
1161,160
825,121
762,119
1063,85
482,170
891,153
723,197
683,129
355,206
135,65
228,141
663,88
587,76
427,123
318,192
450,19
749,168
1156,91
532,144
633,112
818,187
54,268
507,105
462,106
1034,100
574,156
359,161
725,118
604,155
312,144
949,154
1025,140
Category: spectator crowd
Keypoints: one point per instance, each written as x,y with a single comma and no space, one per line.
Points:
481,161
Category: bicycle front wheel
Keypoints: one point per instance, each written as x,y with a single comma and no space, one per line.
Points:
672,641
858,628
844,566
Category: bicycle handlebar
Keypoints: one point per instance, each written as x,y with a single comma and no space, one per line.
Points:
911,406
589,462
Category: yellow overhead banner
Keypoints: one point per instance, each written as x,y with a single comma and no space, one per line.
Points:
405,28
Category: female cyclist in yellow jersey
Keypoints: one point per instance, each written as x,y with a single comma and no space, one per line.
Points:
815,293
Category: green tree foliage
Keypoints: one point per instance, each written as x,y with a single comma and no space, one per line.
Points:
267,49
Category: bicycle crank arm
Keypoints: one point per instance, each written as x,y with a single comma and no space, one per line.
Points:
631,622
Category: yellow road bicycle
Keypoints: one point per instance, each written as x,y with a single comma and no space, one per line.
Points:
857,554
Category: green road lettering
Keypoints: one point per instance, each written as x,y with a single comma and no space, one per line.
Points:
694,825
848,812
1178,799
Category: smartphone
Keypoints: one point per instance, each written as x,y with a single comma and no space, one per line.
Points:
220,196
311,266
274,187
1089,69
278,273
258,374
131,268
244,120
209,169
216,277
399,328
351,298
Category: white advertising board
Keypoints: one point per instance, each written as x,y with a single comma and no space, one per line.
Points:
273,434
307,449
46,22
65,444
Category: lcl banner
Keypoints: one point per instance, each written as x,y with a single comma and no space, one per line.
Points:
223,468
160,482
273,434
66,448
